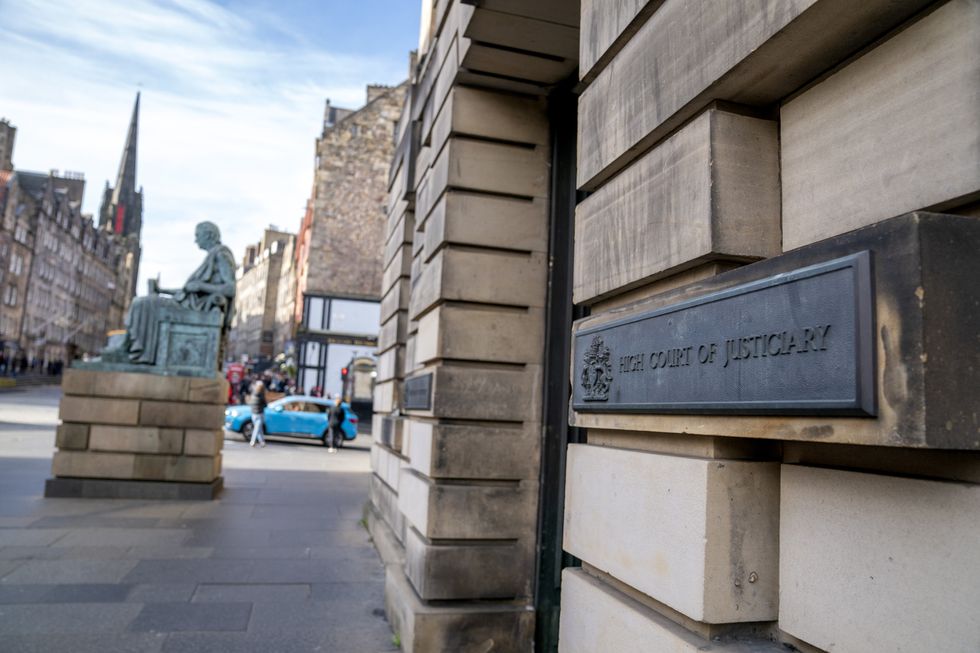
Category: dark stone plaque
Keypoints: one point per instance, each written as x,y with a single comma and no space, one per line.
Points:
799,343
418,392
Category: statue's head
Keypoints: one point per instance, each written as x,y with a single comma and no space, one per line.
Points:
207,235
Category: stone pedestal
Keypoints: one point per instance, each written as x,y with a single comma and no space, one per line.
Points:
142,436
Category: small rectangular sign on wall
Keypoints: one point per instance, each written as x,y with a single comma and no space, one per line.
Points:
418,392
799,343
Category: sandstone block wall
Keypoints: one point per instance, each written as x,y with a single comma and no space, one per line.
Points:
717,143
714,136
140,427
463,292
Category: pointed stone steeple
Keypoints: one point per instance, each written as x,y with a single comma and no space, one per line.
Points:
122,209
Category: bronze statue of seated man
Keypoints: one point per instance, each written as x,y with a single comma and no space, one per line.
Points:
211,288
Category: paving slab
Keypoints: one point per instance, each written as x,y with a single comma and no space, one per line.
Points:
85,643
86,593
66,618
174,617
56,572
254,593
161,592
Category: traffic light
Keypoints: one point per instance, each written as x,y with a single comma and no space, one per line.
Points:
343,373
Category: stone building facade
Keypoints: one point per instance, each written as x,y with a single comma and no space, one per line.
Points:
65,281
253,326
338,247
285,312
7,134
62,274
679,332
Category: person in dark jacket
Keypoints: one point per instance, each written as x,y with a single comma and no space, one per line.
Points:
336,417
258,403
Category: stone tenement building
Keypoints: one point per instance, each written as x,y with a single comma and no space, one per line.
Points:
257,287
338,248
64,282
7,134
285,312
679,343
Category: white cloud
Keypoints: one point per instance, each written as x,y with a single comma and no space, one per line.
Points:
232,104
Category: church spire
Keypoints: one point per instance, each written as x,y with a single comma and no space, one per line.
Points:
125,189
122,208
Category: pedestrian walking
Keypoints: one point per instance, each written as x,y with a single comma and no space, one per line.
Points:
258,403
335,417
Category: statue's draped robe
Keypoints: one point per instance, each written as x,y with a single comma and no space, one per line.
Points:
145,312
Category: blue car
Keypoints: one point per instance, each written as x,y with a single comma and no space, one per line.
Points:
297,416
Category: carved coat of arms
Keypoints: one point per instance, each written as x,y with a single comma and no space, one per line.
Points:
596,375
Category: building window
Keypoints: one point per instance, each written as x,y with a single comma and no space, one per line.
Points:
10,296
351,316
16,264
315,317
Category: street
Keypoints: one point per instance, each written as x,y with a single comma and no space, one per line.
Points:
281,562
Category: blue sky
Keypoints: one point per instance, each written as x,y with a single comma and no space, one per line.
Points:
232,102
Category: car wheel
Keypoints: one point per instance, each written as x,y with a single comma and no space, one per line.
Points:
247,431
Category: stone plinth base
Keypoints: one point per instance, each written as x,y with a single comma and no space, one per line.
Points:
131,435
95,488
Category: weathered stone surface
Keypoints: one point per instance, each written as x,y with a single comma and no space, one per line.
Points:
456,570
140,439
488,114
386,464
101,488
133,466
347,228
473,452
710,191
467,511
181,415
395,299
385,500
897,130
904,549
706,530
467,332
687,55
207,391
124,385
389,431
200,469
513,65
604,24
411,364
485,392
400,266
401,233
596,617
92,410
391,364
393,331
199,442
387,395
463,218
483,276
517,30
922,263
72,436
503,627
483,166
